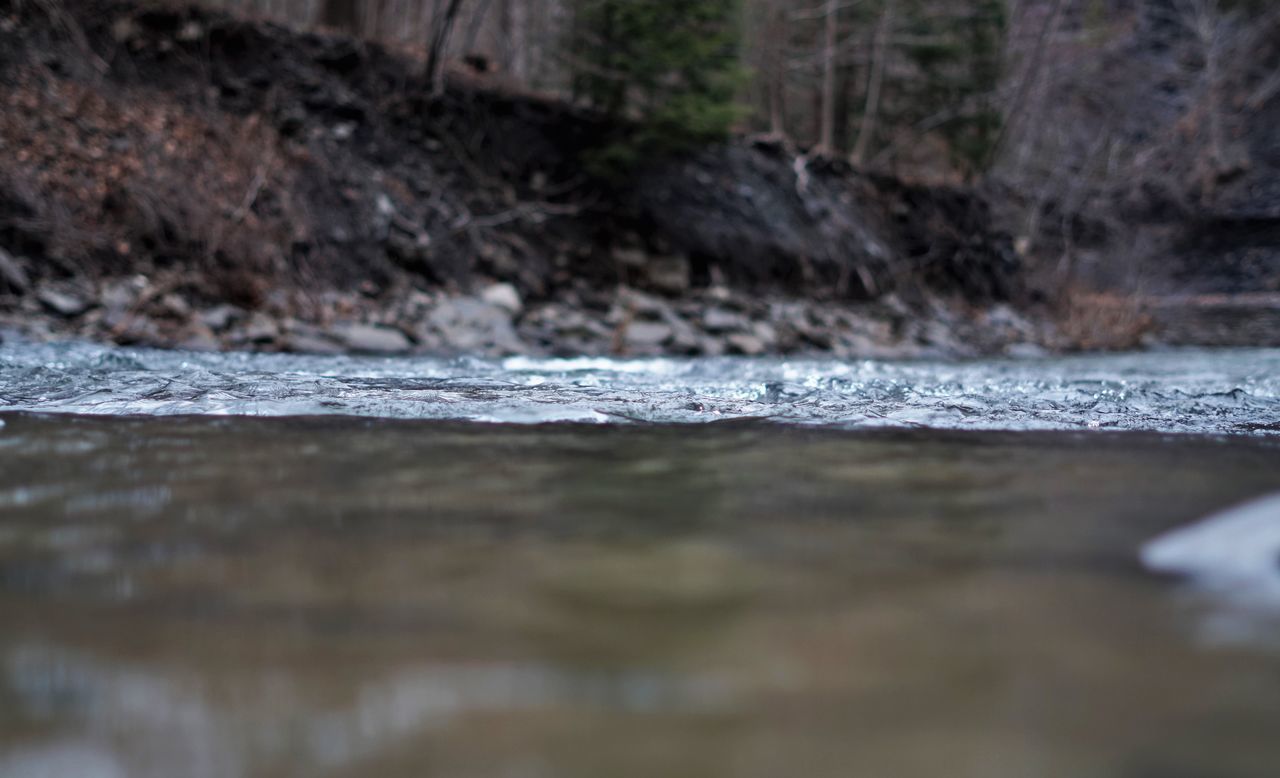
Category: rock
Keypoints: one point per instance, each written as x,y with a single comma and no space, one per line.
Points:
630,257
646,306
119,296
646,335
747,345
307,343
176,306
343,131
191,32
467,324
62,304
720,320
765,332
373,339
410,249
684,338
711,347
558,322
12,273
260,328
668,274
503,296
198,337
125,30
221,317
1025,351
1006,323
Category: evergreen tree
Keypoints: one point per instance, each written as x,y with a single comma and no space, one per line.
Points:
667,69
955,51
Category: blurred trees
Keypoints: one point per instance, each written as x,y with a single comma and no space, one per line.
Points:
671,66
935,88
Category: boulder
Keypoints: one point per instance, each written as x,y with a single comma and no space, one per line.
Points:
12,274
372,339
503,296
468,324
746,345
63,304
644,335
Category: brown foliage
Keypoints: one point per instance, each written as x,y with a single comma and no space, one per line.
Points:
1103,322
131,179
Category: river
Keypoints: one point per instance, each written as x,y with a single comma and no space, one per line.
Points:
235,565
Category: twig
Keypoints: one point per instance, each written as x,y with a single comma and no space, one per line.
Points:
536,212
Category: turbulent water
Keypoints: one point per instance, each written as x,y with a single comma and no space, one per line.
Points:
232,566
1194,392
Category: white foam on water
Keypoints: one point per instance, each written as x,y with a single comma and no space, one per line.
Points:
1198,392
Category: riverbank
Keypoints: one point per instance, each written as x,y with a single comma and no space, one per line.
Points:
181,178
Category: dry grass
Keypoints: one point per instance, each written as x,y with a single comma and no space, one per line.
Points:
1093,321
133,179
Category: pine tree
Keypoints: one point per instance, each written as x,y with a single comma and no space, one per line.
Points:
666,69
956,59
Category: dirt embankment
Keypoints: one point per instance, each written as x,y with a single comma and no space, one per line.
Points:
178,177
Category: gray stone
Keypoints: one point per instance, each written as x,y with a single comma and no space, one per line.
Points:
13,274
503,296
684,338
643,334
199,338
62,304
191,31
176,306
668,274
747,345
467,324
221,317
1026,351
643,305
119,296
372,339
260,328
308,343
711,347
630,257
765,332
720,320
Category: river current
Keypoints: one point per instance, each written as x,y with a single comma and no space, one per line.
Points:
1206,392
240,566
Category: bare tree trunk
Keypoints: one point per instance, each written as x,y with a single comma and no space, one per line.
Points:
479,13
1206,27
441,30
1018,111
514,24
340,15
777,104
875,85
827,135
770,42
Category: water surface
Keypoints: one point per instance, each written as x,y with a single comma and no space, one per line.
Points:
1203,392
236,566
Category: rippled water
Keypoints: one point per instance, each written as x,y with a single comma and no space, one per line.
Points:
1198,392
188,591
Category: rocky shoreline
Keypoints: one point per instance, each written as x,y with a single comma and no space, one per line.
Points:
496,321
165,183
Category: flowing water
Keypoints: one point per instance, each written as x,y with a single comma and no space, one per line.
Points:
233,566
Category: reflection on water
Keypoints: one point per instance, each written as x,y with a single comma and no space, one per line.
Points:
164,726
341,597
